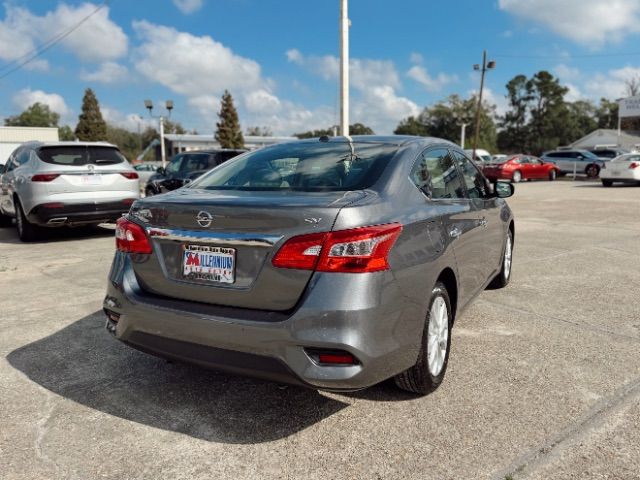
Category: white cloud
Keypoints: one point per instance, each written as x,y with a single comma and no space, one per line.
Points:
416,58
128,121
97,39
566,73
612,84
589,22
490,97
573,94
192,65
108,73
26,97
375,102
430,83
261,101
188,6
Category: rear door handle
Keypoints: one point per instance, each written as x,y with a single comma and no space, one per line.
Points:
455,232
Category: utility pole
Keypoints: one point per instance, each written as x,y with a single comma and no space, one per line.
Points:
344,68
463,131
485,66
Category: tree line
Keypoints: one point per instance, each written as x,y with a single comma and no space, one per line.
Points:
538,117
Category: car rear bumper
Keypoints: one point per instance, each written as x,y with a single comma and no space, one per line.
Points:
60,213
384,337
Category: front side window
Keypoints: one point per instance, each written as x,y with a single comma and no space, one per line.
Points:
302,167
174,165
435,174
473,179
194,162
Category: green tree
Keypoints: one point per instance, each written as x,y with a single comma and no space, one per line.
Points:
37,115
550,115
582,120
259,132
607,114
91,126
315,133
514,134
228,132
360,129
65,133
173,127
128,142
411,126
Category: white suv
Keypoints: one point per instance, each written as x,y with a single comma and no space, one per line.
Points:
65,183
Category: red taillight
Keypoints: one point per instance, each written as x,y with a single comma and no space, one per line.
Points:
348,251
634,165
129,175
52,205
337,359
44,177
131,237
300,252
128,201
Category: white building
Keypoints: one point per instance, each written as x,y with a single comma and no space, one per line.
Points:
12,137
608,137
176,143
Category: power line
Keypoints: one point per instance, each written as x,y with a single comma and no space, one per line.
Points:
33,54
569,56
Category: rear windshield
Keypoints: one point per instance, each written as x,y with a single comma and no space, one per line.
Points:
302,167
80,155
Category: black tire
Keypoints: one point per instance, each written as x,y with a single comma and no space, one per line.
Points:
517,176
553,175
592,171
504,277
27,231
419,379
607,183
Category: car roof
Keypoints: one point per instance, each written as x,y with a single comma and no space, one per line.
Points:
396,140
215,150
38,144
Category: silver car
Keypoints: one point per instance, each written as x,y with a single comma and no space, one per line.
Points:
65,183
332,263
578,161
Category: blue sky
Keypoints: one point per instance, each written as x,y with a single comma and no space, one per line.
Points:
279,57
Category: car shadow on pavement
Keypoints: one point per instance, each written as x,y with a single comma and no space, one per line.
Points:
61,234
83,363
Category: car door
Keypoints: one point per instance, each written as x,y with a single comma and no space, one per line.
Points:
437,176
526,168
12,178
489,229
538,168
173,174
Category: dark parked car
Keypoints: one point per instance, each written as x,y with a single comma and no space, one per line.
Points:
608,153
186,167
328,263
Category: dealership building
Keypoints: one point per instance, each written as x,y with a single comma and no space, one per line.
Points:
12,137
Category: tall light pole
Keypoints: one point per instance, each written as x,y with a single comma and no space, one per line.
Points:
485,66
463,131
169,106
344,68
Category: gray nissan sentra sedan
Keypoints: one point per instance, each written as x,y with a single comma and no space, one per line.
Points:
332,263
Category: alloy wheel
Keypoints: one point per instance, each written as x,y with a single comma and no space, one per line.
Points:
438,335
508,251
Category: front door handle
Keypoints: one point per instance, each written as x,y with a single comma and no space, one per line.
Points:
455,232
482,222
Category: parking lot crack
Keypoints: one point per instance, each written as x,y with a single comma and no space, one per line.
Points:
42,429
594,418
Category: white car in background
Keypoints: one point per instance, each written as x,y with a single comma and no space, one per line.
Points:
622,169
482,156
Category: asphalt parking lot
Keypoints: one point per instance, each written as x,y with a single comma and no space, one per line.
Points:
543,380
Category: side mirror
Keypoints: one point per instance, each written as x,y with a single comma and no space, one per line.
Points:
161,171
503,189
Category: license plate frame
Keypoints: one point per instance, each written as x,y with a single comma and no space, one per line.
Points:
209,264
95,179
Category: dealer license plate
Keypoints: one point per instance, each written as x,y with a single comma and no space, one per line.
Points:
211,264
91,179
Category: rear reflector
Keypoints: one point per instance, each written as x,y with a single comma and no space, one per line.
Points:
131,237
129,175
44,177
348,251
331,357
634,165
128,201
52,205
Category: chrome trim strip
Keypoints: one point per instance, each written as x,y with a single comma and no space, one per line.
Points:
238,239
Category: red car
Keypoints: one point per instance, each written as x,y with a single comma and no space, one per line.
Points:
520,167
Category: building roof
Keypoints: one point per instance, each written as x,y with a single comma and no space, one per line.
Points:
607,136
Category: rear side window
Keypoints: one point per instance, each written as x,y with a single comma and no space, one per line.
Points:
303,167
555,155
76,156
194,162
436,175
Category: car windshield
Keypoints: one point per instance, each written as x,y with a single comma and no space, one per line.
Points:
80,155
302,167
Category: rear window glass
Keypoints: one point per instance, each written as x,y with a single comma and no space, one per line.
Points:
302,167
80,155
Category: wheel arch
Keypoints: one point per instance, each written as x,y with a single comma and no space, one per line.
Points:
448,278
